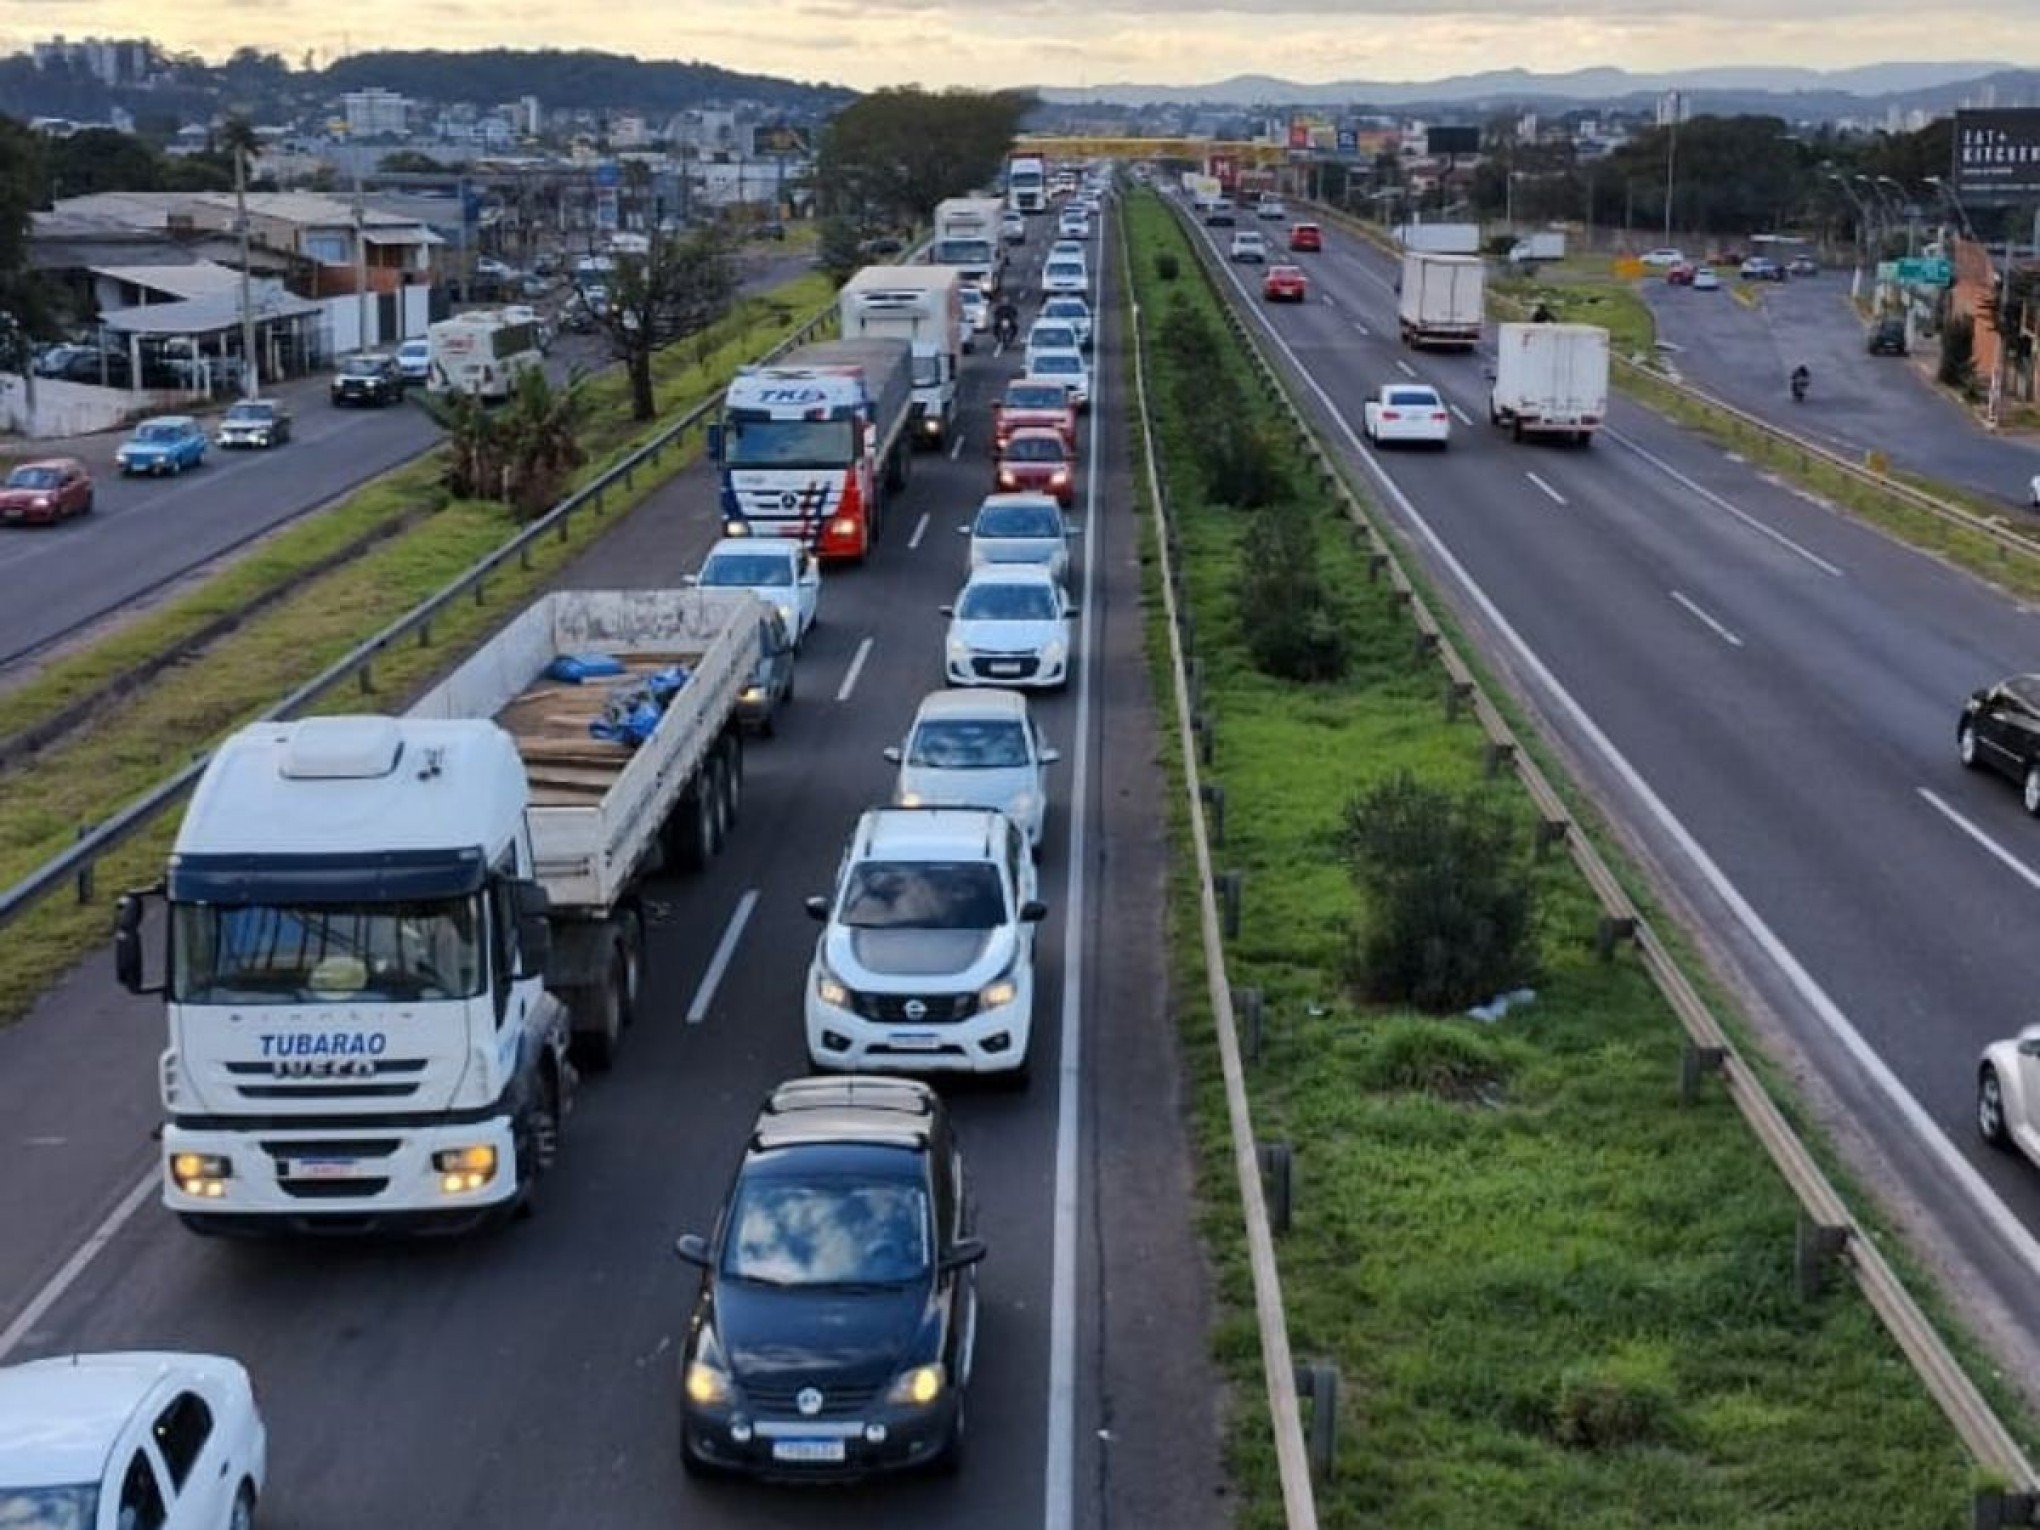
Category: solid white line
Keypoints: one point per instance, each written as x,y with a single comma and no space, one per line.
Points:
920,531
54,1288
719,963
1459,414
1059,1476
1715,499
2011,862
1719,631
1550,493
1328,300
2018,1241
856,669
1407,369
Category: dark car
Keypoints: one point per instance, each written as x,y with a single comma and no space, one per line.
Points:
85,364
370,378
837,1316
255,422
771,683
39,493
2000,730
1761,268
1887,337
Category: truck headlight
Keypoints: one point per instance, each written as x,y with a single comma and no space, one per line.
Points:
919,1386
464,1169
202,1174
932,424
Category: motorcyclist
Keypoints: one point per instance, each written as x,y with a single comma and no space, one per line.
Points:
1005,321
1802,379
1543,315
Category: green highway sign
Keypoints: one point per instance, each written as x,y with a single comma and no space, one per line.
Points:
1924,272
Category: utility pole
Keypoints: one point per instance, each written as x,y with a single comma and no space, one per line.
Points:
250,382
361,260
1671,165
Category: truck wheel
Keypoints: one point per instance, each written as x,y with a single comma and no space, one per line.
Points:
601,1010
1516,429
716,772
630,944
690,832
733,751
538,1142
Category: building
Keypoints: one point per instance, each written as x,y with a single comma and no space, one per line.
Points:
376,113
1673,107
111,61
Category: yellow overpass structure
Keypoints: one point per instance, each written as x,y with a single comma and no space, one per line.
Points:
1152,148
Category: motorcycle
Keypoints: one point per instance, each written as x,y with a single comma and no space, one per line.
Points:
1801,381
1005,329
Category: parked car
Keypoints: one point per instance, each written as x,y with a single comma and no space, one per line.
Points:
1284,284
771,683
1406,414
128,1439
1663,256
40,493
1036,462
1761,268
89,364
255,422
1306,237
1009,625
369,378
414,360
55,360
1020,528
1802,265
170,443
1250,244
1999,730
1887,336
976,749
781,571
834,1330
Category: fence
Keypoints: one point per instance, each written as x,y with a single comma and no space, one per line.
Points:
1828,1234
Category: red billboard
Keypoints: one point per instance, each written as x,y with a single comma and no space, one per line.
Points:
1225,169
1299,133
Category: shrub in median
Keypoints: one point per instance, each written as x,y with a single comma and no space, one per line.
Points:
1450,905
1293,628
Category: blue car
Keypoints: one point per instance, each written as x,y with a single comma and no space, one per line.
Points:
168,444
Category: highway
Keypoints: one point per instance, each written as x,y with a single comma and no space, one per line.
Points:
145,534
1859,403
526,1378
1763,693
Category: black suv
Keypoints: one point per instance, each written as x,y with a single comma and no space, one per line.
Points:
372,378
1887,337
837,1316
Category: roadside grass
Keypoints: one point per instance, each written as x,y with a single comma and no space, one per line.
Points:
1554,1297
1615,306
90,773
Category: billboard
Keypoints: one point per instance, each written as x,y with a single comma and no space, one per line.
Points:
1349,140
1997,155
1299,133
1441,141
779,139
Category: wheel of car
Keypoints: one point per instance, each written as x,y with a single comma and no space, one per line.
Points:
1990,1109
733,765
718,772
950,1460
86,509
244,1509
2029,793
1965,746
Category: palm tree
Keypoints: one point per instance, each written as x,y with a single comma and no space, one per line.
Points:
237,137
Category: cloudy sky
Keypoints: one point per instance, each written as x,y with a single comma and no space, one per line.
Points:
1088,42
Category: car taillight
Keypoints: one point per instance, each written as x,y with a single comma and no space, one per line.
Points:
1438,414
1390,414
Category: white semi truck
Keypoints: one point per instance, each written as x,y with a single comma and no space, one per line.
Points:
922,305
1550,379
386,935
1441,299
967,238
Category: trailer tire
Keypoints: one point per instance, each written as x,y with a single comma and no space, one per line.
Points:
690,832
733,749
606,1006
716,782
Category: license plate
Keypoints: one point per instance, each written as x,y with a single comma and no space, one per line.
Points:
807,1450
914,1041
1002,669
322,1168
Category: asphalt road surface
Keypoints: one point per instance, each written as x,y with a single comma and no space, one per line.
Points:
1765,693
1858,403
147,533
526,1378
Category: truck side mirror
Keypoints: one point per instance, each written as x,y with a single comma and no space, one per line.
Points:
130,923
715,441
531,905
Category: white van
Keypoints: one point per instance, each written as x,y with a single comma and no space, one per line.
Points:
482,353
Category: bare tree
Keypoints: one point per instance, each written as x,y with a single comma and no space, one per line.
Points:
680,285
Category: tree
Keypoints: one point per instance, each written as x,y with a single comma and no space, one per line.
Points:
100,159
237,140
681,285
891,156
24,299
409,162
520,453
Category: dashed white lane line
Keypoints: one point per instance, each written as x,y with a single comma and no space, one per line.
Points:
1406,369
1459,414
1996,851
1716,627
856,669
920,531
719,963
1549,492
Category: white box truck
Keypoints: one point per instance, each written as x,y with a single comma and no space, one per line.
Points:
1441,299
384,933
922,305
967,237
1548,244
1550,379
1440,238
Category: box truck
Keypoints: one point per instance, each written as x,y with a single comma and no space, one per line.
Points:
1550,379
1441,299
922,305
1440,238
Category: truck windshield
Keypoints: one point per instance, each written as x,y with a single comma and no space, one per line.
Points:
962,252
327,954
788,443
927,370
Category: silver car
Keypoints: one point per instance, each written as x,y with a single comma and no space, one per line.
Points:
976,749
1020,528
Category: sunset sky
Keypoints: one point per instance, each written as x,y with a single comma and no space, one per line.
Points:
865,43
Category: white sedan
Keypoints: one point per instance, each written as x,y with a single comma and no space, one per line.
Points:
173,1441
779,570
1065,274
2008,1094
1404,413
976,749
1250,244
1066,367
1010,626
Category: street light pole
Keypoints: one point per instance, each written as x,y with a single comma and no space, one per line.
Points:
1671,165
360,261
250,383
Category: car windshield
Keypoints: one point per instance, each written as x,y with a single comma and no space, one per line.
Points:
1020,520
1034,449
1007,603
969,743
1065,308
788,443
260,414
1065,270
338,954
1059,362
962,252
1413,398
34,478
828,1230
923,895
159,431
49,1508
1037,396
416,350
361,369
746,570
927,370
1052,337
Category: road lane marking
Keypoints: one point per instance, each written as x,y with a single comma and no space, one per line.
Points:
1719,631
719,963
1998,852
920,531
1459,414
81,1257
1406,368
1715,499
856,669
1362,328
956,446
1549,492
2016,1239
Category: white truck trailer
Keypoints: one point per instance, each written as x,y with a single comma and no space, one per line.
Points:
1550,379
967,238
1441,299
1440,238
922,305
385,934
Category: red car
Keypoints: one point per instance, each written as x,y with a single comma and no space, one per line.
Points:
1681,275
37,493
1034,406
1306,236
1284,284
1037,462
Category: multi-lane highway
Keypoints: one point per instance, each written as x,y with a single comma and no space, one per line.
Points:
1764,692
527,1378
145,534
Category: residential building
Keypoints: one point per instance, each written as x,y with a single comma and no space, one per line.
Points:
376,113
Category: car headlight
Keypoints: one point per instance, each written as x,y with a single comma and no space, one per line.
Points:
920,1386
1023,806
959,650
1054,652
39,504
998,992
829,988
707,1385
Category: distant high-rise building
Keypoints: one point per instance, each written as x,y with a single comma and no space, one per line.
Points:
376,113
111,61
531,121
1673,107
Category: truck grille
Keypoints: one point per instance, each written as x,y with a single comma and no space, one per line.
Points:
376,1083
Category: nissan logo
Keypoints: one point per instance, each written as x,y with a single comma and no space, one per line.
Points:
809,1401
914,1009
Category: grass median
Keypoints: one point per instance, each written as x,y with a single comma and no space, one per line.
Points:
146,737
1555,1298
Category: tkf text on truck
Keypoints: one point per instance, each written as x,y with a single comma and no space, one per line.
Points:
384,936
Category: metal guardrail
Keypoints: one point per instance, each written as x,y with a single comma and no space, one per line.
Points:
1292,1459
1829,1232
75,865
